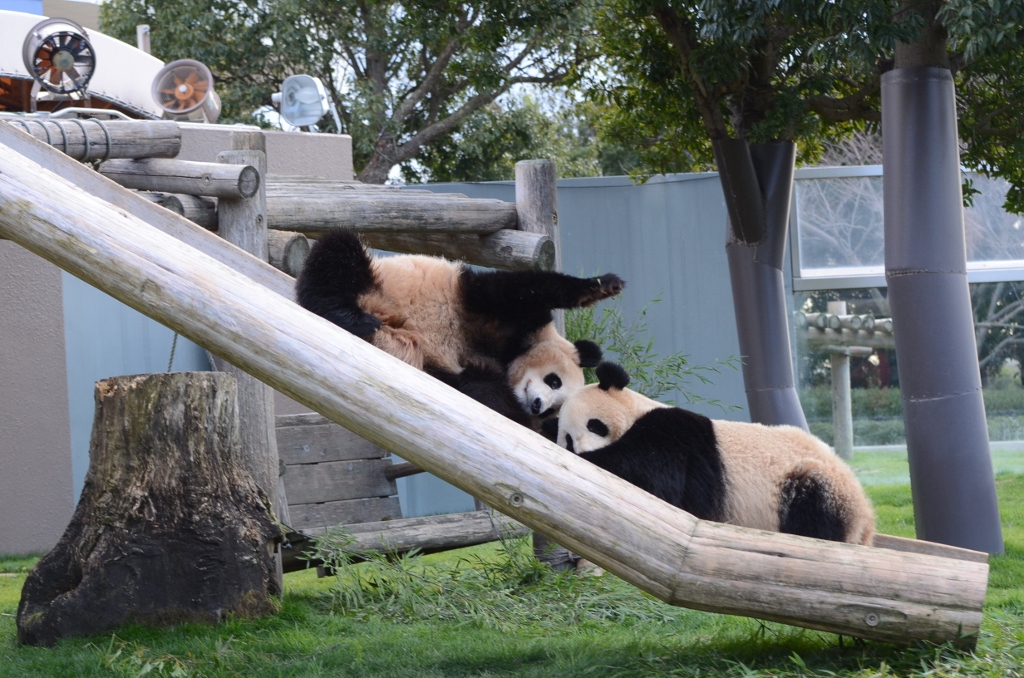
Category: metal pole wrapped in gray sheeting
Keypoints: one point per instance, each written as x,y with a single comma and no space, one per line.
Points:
926,270
844,588
760,182
90,140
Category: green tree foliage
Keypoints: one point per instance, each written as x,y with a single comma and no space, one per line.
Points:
488,144
807,71
404,74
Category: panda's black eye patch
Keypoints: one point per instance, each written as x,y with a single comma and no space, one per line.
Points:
553,381
597,426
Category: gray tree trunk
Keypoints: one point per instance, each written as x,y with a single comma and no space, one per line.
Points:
757,182
926,271
170,527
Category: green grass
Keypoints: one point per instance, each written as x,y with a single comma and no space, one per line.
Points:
889,467
524,625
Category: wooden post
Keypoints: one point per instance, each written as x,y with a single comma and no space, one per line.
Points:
841,588
537,209
243,223
842,406
170,527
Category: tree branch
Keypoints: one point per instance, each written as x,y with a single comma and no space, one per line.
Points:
682,36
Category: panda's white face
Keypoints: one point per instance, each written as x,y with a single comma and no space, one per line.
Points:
591,419
544,377
599,414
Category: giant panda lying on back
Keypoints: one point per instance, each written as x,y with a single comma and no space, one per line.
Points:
776,478
487,333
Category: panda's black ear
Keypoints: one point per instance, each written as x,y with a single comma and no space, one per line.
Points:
549,429
589,352
611,375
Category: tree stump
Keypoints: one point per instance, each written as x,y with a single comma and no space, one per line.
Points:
170,526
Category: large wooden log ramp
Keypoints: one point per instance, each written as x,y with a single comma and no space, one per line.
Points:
852,590
170,527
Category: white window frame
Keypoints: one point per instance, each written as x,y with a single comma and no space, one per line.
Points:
855,278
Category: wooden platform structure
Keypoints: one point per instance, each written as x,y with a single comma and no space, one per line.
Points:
235,305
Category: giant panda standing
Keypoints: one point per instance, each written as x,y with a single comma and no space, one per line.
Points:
777,478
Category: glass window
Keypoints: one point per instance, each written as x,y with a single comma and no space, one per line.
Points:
840,226
874,378
839,233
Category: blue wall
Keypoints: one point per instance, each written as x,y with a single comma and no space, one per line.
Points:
104,338
27,6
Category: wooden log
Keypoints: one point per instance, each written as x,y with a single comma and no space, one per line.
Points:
89,140
170,527
199,210
850,322
317,210
185,176
843,588
402,470
130,201
429,534
888,541
288,251
433,533
819,339
507,249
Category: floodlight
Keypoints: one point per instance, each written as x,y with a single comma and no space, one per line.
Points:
302,100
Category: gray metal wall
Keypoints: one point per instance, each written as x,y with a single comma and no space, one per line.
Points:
104,338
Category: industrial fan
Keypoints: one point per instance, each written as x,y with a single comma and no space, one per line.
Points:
183,89
58,55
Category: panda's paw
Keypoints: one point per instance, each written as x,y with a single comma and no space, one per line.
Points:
606,286
366,326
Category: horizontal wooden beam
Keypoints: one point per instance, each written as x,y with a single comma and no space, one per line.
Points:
402,470
217,180
288,251
89,140
824,338
507,249
199,210
429,534
319,208
149,212
843,588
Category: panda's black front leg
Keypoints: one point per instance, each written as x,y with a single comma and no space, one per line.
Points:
513,294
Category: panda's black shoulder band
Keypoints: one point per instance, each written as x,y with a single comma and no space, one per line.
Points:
611,375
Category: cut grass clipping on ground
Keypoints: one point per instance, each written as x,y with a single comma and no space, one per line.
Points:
491,611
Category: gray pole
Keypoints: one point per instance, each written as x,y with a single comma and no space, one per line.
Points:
926,270
842,404
758,185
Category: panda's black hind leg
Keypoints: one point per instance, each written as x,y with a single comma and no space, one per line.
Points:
338,270
513,294
808,508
